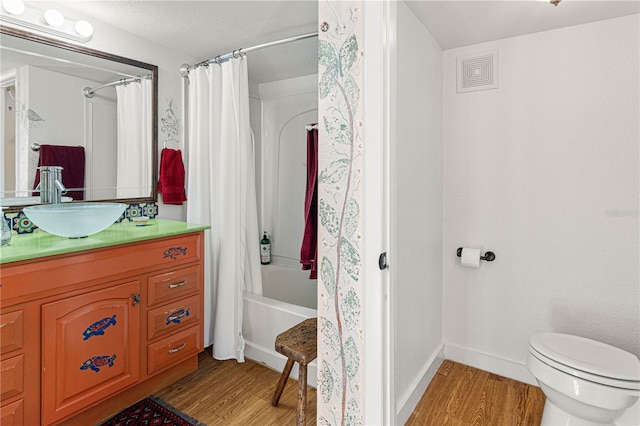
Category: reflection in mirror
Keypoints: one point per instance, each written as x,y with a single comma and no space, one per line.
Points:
93,113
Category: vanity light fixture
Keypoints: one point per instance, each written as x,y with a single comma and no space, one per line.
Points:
84,28
53,17
26,16
14,7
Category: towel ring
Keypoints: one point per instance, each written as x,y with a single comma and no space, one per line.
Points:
177,142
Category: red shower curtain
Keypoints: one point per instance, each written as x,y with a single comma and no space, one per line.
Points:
308,255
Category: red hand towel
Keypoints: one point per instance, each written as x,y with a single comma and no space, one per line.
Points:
308,250
71,158
171,182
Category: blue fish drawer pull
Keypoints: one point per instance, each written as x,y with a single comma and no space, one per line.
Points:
98,327
174,252
96,362
176,316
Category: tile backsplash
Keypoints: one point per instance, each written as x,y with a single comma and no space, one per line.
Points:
19,223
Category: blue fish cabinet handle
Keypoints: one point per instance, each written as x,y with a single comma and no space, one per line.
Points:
173,252
95,363
176,316
98,327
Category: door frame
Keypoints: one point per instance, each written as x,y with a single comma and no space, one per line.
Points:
380,122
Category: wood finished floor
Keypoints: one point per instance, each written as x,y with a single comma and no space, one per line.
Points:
229,393
460,395
232,393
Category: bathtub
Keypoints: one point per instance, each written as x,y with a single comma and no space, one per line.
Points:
289,298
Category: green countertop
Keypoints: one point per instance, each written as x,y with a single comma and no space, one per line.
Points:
42,244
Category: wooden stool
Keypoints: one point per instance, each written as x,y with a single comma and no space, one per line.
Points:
299,344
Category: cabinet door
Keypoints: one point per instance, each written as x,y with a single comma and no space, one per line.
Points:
90,348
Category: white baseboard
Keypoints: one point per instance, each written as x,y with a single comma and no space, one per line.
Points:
407,403
491,363
276,361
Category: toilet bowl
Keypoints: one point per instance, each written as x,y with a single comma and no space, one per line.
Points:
586,382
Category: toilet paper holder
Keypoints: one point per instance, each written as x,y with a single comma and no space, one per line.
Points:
488,256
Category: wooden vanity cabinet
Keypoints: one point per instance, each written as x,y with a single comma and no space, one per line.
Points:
19,365
90,348
86,334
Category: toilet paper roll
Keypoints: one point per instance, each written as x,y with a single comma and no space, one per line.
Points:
470,257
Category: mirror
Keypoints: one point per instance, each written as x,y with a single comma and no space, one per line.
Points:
92,112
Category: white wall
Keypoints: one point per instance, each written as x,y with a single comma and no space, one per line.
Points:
416,198
544,172
110,39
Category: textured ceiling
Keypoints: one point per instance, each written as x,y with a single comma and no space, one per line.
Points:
205,29
463,23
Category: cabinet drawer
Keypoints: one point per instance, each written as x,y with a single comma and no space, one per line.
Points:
12,414
172,285
173,316
173,349
11,331
59,273
11,377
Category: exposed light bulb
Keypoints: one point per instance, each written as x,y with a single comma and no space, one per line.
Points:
84,28
53,17
24,15
14,7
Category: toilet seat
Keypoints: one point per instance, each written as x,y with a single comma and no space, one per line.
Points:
587,359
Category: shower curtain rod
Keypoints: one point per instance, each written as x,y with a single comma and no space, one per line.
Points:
88,92
185,68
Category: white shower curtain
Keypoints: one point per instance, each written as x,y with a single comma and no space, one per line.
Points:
221,192
133,175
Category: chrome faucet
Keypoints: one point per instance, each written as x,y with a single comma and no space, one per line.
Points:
51,187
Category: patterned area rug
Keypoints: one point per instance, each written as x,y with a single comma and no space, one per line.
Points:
151,411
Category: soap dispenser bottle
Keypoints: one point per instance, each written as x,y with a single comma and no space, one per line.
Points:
265,250
5,237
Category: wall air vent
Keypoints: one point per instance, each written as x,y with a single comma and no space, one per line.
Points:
478,71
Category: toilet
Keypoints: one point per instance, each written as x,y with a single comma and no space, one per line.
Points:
586,382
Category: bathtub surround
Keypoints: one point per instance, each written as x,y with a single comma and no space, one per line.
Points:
280,111
286,107
340,195
221,176
289,297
